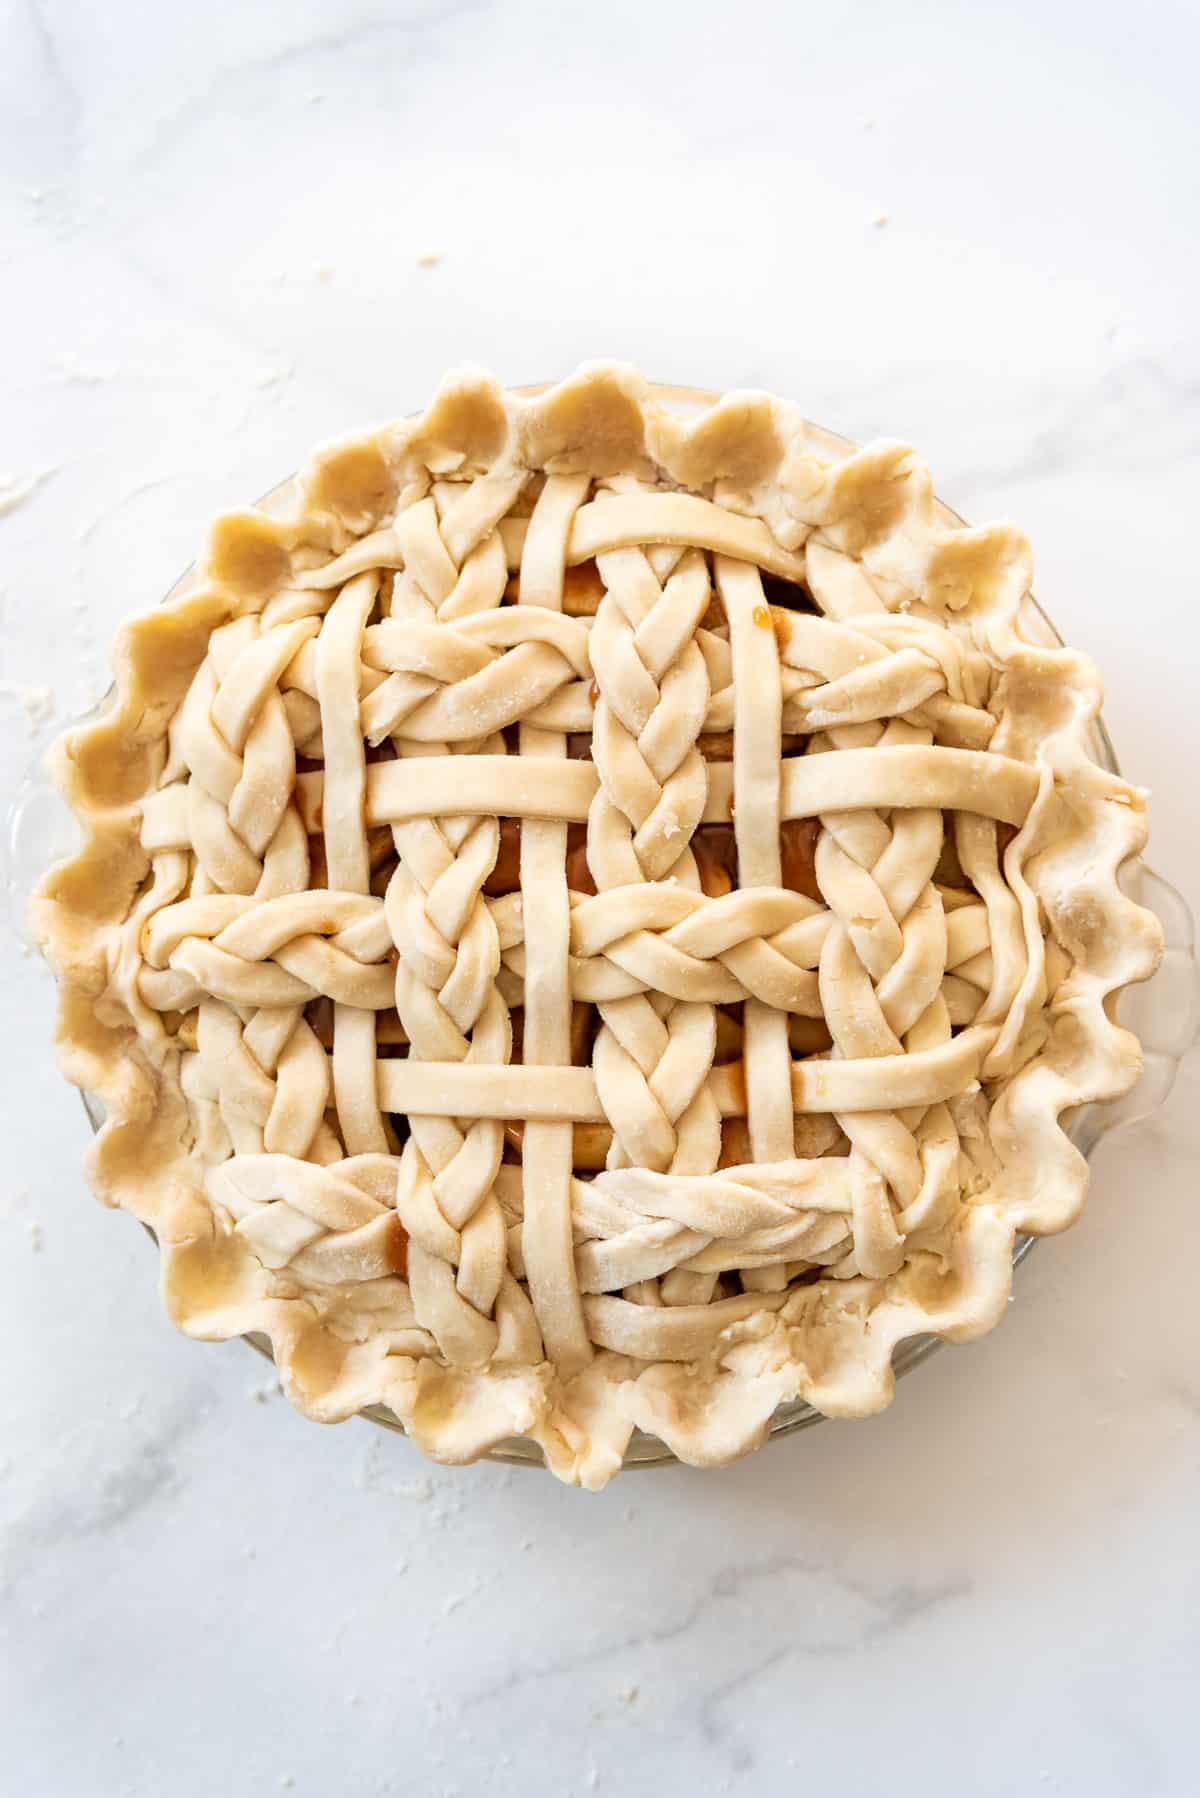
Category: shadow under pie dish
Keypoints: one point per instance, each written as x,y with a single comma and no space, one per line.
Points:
590,919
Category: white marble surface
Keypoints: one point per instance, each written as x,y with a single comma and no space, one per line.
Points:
972,225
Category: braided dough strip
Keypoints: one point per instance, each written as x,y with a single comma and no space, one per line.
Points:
634,1225
331,1224
447,951
454,682
756,817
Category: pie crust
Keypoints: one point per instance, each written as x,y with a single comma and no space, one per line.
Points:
593,919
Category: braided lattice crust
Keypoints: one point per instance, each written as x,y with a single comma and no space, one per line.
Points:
589,916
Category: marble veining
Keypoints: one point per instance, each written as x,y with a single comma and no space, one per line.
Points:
229,232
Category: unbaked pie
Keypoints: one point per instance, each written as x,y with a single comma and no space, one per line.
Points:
591,919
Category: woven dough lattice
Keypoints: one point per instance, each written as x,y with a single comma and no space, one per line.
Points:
590,920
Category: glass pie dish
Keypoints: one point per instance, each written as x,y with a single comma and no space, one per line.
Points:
1163,1013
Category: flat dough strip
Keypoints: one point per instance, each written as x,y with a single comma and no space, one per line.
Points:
970,780
433,1088
682,519
757,728
546,1240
